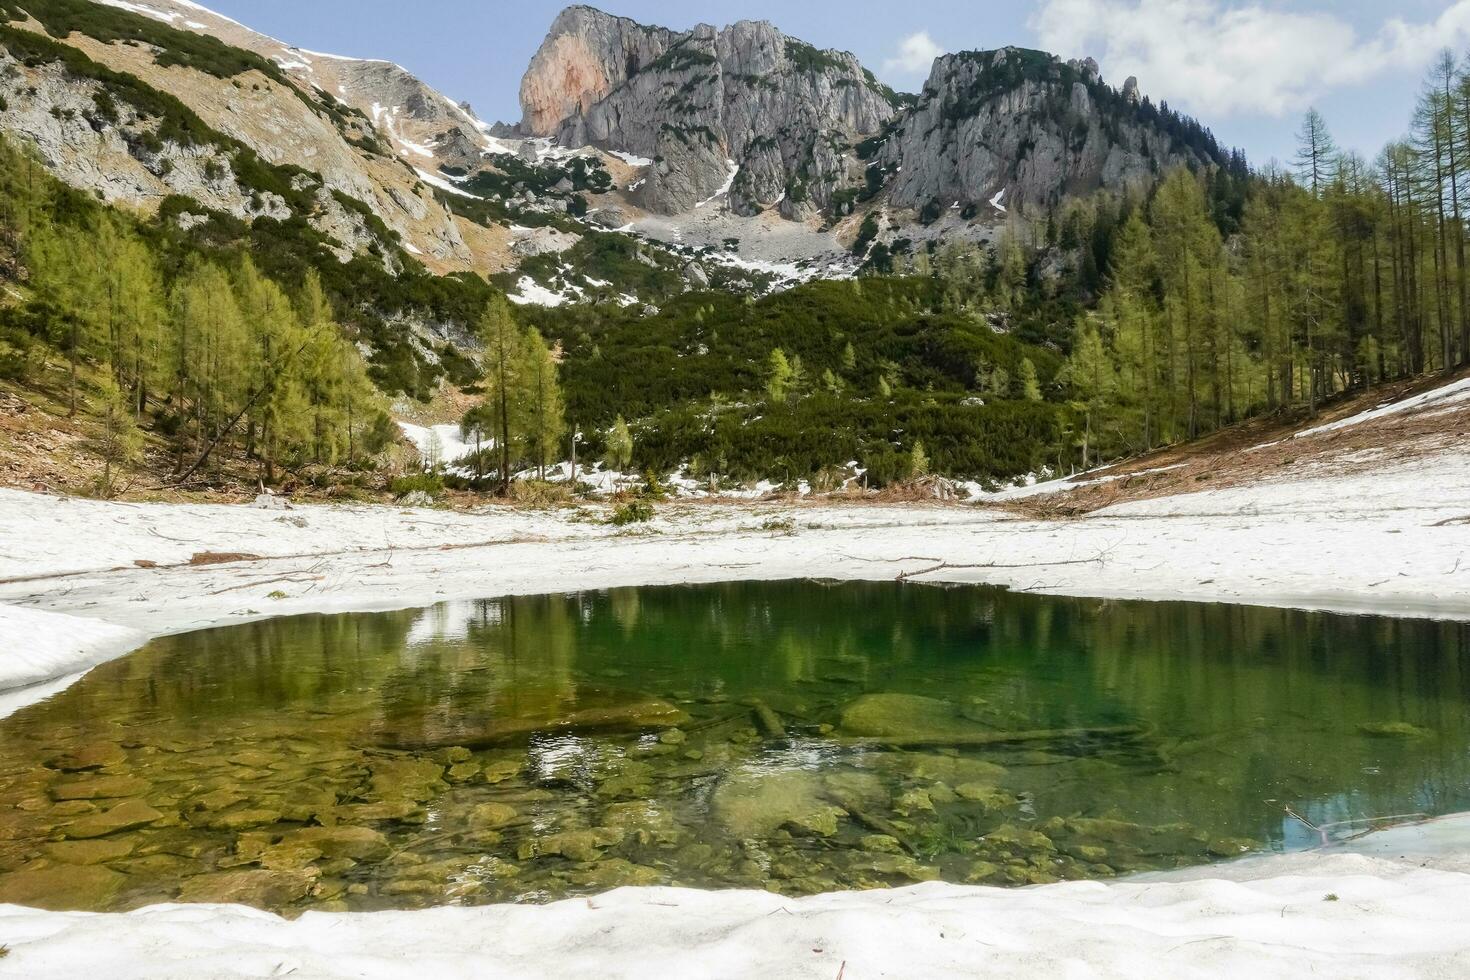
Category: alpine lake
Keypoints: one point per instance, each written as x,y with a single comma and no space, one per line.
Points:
800,737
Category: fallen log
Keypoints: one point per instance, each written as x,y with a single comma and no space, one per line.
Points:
767,722
874,822
980,739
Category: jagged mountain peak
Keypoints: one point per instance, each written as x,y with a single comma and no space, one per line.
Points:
743,110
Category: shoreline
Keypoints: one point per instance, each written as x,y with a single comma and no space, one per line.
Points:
1337,545
70,588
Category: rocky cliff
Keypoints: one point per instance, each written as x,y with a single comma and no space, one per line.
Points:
1024,130
775,122
744,110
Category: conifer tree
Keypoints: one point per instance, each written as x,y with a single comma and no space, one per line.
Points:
619,446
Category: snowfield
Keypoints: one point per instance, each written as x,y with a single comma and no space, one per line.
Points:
1260,918
82,581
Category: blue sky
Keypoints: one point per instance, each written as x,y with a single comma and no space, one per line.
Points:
1247,70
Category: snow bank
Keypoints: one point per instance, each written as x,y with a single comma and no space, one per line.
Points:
444,444
1262,919
1440,398
1373,542
433,180
41,646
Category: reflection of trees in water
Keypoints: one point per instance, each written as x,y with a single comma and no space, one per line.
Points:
1249,704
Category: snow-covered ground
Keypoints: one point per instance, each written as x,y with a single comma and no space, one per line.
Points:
1439,399
1371,542
1385,541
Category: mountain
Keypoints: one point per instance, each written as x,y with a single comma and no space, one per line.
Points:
737,157
1025,128
745,109
779,124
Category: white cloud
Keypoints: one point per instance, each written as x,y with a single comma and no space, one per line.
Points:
916,54
1220,58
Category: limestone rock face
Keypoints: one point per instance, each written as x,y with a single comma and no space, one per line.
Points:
744,111
1024,128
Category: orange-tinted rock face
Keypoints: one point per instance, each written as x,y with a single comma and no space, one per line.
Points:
566,77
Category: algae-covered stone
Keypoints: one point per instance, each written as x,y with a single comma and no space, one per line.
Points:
99,755
1019,839
492,816
896,865
462,772
575,845
494,867
954,770
903,716
261,889
412,886
357,843
914,801
881,844
100,788
244,819
64,888
616,873
499,770
289,857
1230,846
98,851
1090,853
752,804
253,759
128,815
407,779
220,799
986,796
646,822
390,811
982,871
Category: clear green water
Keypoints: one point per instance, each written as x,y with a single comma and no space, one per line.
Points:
800,737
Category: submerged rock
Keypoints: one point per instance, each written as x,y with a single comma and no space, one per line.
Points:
903,715
100,788
576,845
616,873
753,804
90,851
357,843
99,755
407,779
244,819
896,865
260,889
492,816
128,815
62,889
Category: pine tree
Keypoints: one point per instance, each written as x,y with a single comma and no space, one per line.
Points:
1316,152
619,446
1090,374
547,423
778,377
120,441
505,375
918,462
1030,385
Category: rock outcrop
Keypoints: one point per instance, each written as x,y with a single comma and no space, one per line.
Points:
744,111
1024,128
